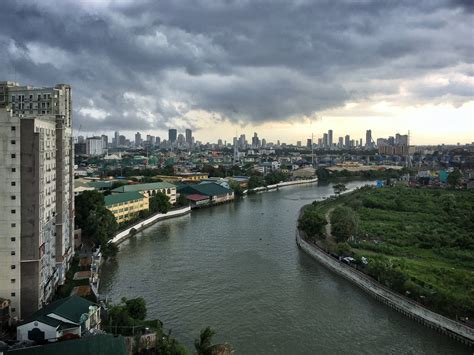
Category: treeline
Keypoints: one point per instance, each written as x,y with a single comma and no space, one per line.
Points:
128,318
418,242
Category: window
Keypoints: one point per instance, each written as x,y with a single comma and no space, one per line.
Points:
12,281
13,98
13,309
13,211
13,128
13,183
12,239
13,267
13,197
12,252
13,141
13,156
13,170
13,294
13,225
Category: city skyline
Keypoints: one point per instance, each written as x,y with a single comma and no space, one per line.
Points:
292,76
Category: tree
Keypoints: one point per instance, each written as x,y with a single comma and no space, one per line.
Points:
136,307
454,178
312,223
98,224
203,344
255,181
344,223
338,188
160,203
323,174
234,185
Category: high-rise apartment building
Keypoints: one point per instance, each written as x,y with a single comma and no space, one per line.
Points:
36,194
172,135
330,141
94,146
116,139
347,141
368,139
189,137
138,139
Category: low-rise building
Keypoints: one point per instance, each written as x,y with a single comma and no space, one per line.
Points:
150,189
72,315
215,192
127,205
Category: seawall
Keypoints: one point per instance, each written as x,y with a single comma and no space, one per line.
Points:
282,184
125,234
411,309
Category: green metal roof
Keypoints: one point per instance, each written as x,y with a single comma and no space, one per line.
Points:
70,308
209,189
123,197
143,187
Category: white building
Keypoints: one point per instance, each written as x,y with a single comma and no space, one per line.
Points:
36,194
94,146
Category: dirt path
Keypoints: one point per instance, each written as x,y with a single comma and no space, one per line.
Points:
328,227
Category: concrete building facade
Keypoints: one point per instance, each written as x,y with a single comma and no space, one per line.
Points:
36,230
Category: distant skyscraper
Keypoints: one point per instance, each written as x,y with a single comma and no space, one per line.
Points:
117,139
298,143
340,144
105,142
138,139
309,142
255,140
325,140
347,142
330,141
189,137
368,139
172,135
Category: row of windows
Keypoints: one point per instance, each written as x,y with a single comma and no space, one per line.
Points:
21,98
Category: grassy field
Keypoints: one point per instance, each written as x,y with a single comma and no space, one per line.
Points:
419,242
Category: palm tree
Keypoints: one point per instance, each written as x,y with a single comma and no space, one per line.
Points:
203,344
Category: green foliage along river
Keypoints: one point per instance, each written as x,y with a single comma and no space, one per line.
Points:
419,242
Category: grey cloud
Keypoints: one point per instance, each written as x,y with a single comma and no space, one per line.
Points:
245,61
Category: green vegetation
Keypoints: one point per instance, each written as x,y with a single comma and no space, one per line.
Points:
96,221
454,178
419,242
344,222
160,203
312,222
275,177
128,319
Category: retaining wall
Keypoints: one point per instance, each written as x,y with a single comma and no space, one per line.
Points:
123,235
402,304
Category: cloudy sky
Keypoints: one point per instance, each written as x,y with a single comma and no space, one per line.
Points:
282,68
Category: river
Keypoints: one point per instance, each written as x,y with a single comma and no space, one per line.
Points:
236,268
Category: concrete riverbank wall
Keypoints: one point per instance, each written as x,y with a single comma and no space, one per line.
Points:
411,309
282,184
137,227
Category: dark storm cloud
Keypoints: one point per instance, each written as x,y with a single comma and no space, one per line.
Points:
145,64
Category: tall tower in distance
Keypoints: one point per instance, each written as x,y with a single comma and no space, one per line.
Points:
189,137
172,135
36,194
368,139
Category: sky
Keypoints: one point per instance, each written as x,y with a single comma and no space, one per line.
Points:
285,69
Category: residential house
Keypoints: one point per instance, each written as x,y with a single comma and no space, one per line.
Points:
72,315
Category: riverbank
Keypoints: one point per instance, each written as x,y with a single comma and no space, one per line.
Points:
141,225
280,185
402,304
